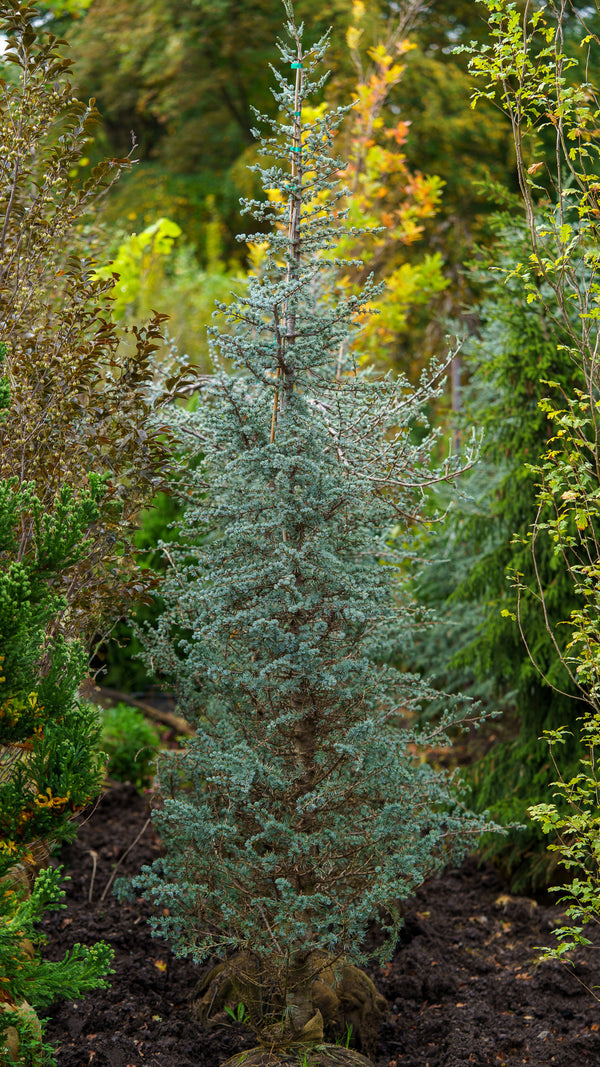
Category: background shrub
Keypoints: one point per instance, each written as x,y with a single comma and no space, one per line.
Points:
130,742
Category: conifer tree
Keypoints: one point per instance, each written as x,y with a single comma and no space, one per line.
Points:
298,812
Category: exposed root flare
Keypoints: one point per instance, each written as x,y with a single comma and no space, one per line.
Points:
321,1056
345,1000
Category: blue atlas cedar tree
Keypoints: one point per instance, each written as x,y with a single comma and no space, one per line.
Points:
298,813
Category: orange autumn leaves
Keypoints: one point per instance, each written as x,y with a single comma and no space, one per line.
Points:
385,194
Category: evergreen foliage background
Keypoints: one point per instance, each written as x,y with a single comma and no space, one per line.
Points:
476,646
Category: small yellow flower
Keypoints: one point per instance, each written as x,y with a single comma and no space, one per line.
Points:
46,800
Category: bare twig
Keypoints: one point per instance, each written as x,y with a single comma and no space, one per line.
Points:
123,858
94,856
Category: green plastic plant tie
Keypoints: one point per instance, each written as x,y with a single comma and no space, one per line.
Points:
297,65
294,148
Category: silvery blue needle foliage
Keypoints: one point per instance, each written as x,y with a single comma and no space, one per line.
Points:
298,812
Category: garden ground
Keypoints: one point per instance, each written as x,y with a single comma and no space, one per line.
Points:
463,987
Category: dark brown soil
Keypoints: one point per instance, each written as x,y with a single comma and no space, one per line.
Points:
463,987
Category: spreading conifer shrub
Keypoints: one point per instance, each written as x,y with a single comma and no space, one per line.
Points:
49,768
299,812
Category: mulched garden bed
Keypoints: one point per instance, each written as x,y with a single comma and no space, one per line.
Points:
463,987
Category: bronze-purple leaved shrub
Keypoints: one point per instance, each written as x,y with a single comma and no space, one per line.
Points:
83,396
